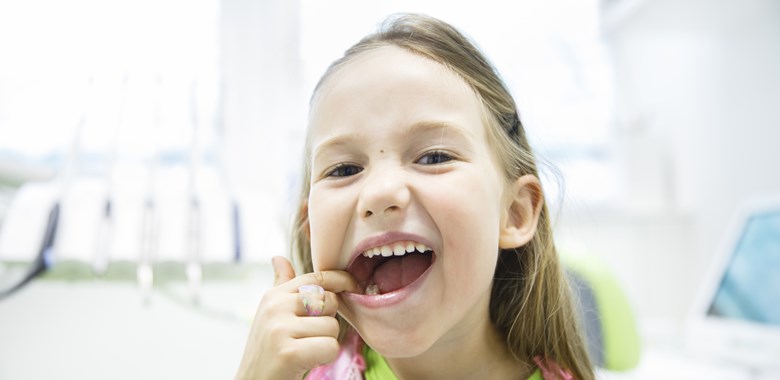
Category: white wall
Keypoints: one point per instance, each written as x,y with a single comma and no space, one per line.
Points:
700,80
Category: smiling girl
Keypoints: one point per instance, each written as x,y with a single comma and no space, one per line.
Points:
422,228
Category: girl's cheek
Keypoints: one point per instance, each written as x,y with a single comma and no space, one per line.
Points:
325,257
325,235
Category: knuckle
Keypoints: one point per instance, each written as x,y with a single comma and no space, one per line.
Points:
332,299
318,277
331,350
333,326
288,354
269,298
277,331
268,306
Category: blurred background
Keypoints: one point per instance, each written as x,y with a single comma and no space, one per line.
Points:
158,145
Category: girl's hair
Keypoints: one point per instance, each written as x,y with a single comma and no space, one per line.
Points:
530,302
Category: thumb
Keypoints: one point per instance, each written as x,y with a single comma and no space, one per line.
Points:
283,270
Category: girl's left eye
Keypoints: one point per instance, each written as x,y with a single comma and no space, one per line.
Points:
433,158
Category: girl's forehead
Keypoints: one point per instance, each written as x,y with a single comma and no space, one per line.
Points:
390,82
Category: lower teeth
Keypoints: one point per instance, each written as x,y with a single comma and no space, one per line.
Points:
372,289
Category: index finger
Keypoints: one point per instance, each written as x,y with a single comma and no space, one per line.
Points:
335,281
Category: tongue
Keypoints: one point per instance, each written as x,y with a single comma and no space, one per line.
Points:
400,271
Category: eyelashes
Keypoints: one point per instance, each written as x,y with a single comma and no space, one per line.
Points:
434,157
346,169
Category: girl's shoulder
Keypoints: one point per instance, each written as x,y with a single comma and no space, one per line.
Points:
357,361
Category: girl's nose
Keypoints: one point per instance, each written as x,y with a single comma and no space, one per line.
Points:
384,193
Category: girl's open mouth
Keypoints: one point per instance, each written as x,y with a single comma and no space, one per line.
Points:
390,267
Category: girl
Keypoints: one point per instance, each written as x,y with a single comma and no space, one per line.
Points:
422,230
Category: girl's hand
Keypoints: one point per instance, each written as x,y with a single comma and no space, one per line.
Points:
284,341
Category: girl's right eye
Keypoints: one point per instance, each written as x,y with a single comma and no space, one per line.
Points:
344,170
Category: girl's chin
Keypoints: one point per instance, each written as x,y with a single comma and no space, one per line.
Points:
396,348
393,341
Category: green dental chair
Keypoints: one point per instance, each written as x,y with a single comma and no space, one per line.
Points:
610,326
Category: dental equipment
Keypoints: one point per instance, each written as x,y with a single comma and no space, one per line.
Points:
145,272
104,238
226,179
106,223
236,214
45,257
194,269
149,225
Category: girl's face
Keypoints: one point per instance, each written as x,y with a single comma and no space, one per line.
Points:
401,164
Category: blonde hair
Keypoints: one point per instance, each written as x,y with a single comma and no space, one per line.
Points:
530,302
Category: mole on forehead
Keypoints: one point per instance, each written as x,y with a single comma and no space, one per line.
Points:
439,128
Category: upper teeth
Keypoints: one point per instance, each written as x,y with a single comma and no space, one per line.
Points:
398,248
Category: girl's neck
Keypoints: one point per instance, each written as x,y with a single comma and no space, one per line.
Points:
479,352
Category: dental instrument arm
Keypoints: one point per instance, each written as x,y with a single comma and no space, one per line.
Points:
45,256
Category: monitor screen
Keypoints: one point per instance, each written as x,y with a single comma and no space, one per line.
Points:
750,287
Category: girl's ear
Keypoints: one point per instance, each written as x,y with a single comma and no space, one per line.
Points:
519,220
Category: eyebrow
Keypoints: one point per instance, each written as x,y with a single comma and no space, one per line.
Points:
429,126
421,127
332,143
